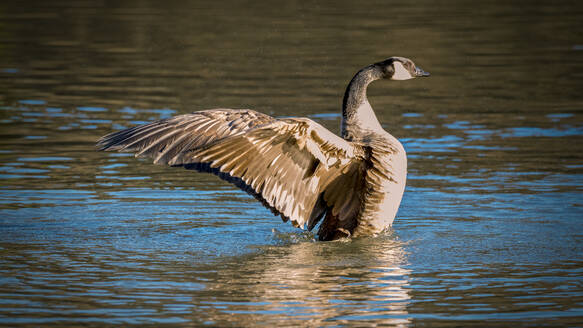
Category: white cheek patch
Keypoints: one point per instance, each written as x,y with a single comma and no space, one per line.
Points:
401,73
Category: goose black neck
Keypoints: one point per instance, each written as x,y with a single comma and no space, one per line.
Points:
355,94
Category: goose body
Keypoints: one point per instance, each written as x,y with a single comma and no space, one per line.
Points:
297,168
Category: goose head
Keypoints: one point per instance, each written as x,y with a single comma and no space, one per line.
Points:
400,68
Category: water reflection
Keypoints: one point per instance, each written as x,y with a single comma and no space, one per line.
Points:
316,283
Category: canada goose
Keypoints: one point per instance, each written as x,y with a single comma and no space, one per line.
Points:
294,166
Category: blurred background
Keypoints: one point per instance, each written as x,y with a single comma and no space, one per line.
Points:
490,227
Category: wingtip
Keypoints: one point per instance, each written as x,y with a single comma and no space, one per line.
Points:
103,144
109,142
100,144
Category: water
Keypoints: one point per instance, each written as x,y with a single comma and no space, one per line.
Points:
490,231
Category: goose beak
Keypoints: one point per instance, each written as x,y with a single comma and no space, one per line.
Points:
420,72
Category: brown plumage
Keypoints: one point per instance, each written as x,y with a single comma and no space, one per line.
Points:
294,166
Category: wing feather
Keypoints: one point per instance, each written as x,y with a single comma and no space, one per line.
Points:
295,167
195,130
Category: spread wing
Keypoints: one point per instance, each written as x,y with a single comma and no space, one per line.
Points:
295,167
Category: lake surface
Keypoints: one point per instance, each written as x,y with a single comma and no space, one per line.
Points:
490,230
